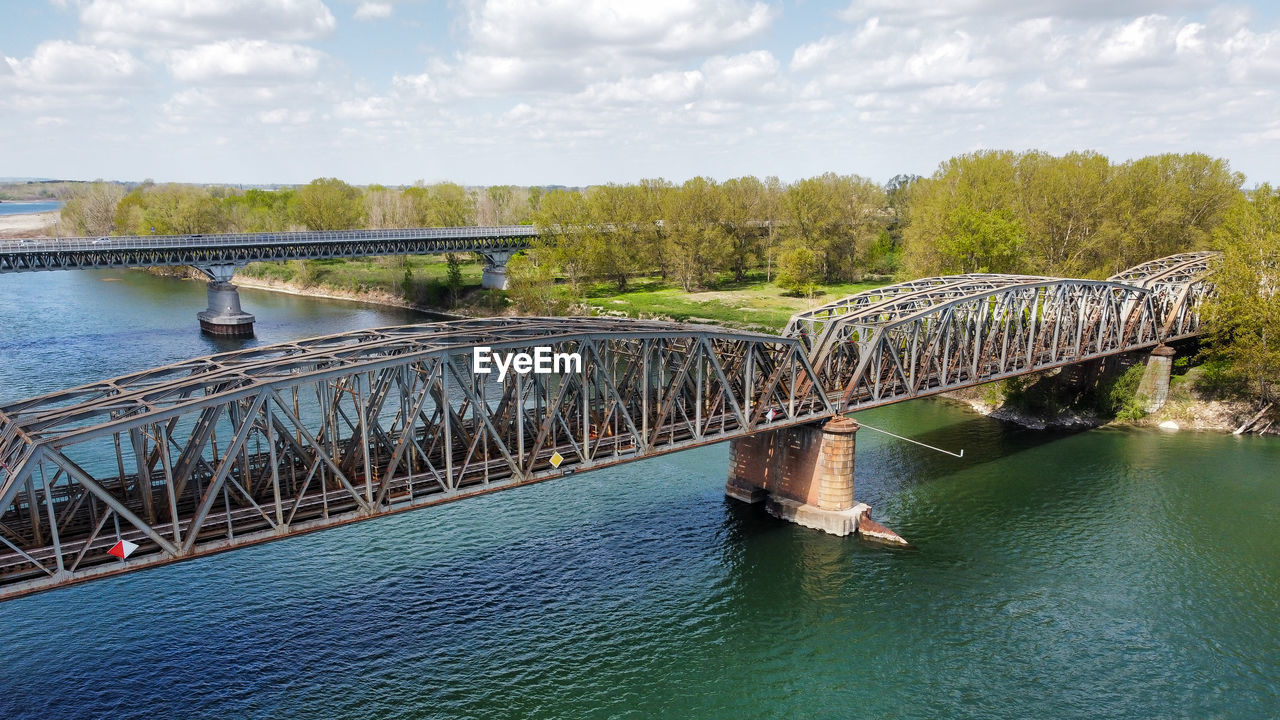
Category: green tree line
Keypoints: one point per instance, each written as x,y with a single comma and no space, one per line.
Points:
1077,215
323,204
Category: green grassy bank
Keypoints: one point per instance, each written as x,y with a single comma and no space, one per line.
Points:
753,304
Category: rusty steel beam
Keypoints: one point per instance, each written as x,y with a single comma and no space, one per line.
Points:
238,448
243,447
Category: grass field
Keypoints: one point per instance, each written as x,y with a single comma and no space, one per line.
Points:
754,304
386,275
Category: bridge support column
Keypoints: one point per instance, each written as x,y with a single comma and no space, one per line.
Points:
1154,388
804,474
224,316
495,269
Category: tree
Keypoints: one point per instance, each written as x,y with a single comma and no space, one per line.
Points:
747,212
614,220
1063,203
327,204
531,285
387,208
966,188
257,210
174,209
652,197
983,241
502,205
91,209
453,277
560,217
836,216
1243,317
1166,204
799,269
697,243
441,205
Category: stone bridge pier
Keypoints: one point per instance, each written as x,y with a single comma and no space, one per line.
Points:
804,474
1153,390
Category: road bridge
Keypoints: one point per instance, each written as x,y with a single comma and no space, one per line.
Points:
238,448
218,256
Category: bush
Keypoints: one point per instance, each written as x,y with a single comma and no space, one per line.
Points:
1218,379
1122,399
799,269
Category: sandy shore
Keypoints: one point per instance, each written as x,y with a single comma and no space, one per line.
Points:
27,224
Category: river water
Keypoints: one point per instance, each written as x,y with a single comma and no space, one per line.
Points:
25,207
1109,573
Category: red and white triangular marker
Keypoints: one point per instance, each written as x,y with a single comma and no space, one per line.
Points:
771,415
122,549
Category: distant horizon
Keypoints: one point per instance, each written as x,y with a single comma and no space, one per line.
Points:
1248,184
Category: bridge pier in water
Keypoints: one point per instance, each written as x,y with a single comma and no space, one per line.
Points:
804,474
224,316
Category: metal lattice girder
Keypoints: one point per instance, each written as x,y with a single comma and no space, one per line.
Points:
1180,283
936,334
243,447
810,326
232,250
969,339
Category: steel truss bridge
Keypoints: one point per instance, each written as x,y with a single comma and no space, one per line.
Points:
207,252
243,447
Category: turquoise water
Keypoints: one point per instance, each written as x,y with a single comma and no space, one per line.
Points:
21,208
1110,573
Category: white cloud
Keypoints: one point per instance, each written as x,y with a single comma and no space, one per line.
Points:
749,76
1004,10
160,22
370,108
244,61
667,87
59,63
664,28
566,46
284,116
1140,41
373,11
558,90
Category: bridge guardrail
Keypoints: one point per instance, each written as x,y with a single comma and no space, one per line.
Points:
162,242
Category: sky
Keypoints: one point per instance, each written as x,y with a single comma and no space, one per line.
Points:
578,92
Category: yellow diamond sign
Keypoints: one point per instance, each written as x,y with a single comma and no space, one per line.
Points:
556,459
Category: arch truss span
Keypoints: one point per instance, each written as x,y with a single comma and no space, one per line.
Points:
941,334
247,446
1179,283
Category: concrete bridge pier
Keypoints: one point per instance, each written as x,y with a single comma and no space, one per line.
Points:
224,317
804,474
1153,390
495,269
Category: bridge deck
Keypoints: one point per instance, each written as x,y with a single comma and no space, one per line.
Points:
34,254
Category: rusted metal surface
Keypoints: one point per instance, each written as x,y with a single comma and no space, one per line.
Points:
938,334
243,447
1179,283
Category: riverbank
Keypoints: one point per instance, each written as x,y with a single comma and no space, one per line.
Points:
372,297
1195,402
27,224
